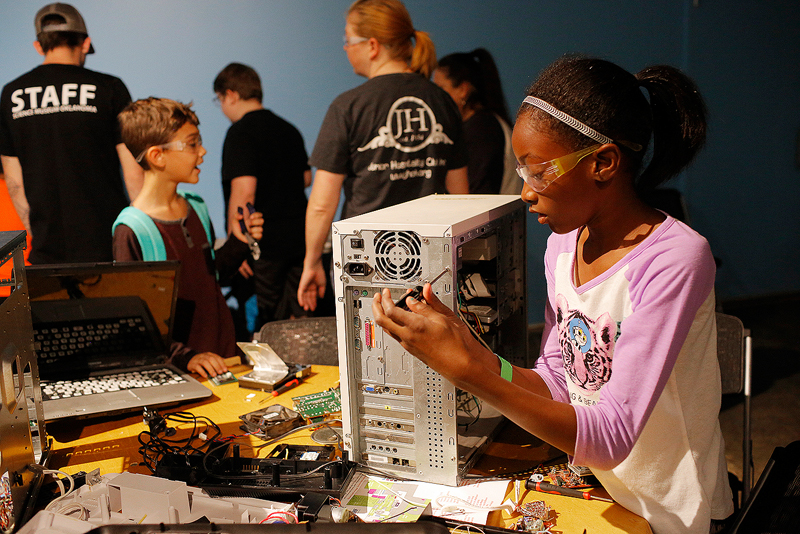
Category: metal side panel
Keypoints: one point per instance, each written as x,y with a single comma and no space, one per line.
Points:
21,414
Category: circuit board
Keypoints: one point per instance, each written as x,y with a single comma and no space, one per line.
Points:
316,406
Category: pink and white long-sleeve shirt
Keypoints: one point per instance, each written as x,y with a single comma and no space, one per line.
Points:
634,351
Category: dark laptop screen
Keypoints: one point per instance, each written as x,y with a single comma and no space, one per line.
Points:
156,283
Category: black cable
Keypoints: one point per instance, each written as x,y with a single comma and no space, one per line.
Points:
155,447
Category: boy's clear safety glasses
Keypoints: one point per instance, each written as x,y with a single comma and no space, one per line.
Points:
539,176
180,146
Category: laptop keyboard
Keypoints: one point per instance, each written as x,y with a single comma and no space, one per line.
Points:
88,337
52,390
60,343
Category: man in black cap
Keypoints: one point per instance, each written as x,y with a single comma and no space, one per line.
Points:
60,145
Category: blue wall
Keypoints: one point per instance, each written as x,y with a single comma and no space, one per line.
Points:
742,192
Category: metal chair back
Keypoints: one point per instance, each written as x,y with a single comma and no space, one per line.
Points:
734,352
309,340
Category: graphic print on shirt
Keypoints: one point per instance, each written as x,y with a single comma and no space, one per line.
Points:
410,127
587,346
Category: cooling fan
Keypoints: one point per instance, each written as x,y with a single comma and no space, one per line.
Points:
398,255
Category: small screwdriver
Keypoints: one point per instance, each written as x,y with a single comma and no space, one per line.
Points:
544,487
416,293
286,387
255,249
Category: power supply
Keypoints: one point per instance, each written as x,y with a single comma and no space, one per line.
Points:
398,414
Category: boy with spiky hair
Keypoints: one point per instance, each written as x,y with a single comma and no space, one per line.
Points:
164,223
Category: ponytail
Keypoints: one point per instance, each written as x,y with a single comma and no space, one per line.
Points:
492,88
679,123
423,57
479,70
388,21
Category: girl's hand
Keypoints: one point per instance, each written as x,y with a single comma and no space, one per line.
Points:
431,332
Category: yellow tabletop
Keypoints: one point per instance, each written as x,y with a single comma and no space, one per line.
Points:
111,444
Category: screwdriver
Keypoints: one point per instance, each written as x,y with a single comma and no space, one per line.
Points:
255,249
416,293
544,487
286,387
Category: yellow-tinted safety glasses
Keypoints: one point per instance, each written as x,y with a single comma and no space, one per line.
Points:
540,175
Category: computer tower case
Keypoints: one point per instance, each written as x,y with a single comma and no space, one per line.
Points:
400,416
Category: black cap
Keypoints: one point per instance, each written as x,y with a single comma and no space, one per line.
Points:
73,22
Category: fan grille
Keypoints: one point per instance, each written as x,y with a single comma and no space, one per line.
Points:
398,255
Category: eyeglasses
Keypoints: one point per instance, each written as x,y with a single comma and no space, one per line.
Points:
352,41
217,100
539,176
180,146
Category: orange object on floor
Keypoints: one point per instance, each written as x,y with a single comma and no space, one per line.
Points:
9,220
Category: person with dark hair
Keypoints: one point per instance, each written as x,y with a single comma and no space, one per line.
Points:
394,138
264,164
627,381
60,145
472,80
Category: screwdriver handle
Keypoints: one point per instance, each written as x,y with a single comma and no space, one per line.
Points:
415,293
545,487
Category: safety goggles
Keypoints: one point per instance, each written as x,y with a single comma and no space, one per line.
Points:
352,41
180,146
539,176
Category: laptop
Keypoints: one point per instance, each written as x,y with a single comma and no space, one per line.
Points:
101,335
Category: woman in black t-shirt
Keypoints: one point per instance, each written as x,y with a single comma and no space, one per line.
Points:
394,138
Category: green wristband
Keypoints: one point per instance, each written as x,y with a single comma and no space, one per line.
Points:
506,369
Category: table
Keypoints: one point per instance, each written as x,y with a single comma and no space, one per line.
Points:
111,444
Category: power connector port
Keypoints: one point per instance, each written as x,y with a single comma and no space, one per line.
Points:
358,269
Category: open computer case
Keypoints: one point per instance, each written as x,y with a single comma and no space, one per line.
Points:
399,415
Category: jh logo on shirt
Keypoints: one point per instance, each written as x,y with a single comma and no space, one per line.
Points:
410,126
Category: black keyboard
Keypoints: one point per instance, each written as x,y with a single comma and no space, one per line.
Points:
91,337
54,389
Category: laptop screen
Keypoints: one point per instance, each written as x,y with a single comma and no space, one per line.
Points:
156,283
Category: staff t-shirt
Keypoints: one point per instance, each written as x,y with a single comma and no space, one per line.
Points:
61,122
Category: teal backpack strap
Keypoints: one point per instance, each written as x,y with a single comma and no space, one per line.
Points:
200,208
146,232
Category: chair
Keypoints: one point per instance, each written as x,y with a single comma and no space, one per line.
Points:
308,340
734,352
774,503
